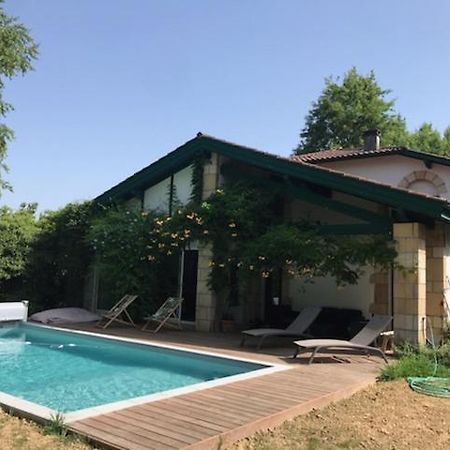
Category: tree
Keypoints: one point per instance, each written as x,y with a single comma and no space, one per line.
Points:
346,109
428,139
18,230
17,52
59,257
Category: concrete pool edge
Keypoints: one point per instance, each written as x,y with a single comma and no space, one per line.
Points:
40,413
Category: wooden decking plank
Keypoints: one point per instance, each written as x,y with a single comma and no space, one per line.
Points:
105,437
189,420
231,394
155,426
214,419
222,407
188,429
103,423
250,409
265,389
289,386
252,403
147,431
212,411
243,412
286,389
264,395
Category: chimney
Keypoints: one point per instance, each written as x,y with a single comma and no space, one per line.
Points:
371,140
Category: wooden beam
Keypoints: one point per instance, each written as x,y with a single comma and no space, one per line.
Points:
354,229
303,193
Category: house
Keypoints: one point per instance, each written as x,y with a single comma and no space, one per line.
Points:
370,190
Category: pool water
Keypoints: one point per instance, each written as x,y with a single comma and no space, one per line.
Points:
67,371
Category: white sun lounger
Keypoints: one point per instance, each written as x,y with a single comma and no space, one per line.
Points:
360,342
296,329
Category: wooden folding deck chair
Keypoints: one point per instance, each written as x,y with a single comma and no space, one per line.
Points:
119,313
170,309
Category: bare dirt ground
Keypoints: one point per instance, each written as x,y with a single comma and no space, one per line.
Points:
385,416
20,434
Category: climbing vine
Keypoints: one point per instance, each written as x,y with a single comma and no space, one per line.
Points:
248,237
197,178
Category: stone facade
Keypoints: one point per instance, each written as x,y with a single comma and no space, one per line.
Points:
419,311
206,300
436,281
410,283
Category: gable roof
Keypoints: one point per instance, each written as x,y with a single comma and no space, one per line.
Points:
360,153
182,156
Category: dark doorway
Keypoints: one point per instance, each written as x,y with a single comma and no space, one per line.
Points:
189,293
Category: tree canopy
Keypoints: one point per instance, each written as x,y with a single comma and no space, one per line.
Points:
355,103
17,52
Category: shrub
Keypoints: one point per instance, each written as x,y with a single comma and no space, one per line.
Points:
418,362
60,258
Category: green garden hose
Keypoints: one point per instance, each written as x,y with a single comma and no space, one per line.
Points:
434,386
437,387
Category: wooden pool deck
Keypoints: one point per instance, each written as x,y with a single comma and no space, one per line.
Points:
223,414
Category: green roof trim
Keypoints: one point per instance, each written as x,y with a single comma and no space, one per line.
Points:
434,207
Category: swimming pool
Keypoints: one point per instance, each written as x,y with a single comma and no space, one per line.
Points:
66,371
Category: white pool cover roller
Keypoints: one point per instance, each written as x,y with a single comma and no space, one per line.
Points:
13,311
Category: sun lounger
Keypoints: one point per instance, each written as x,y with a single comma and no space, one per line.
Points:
360,342
170,309
118,313
296,329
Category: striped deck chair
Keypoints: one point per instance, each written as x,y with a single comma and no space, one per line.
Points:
170,309
118,313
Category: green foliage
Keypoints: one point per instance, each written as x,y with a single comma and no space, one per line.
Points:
348,108
197,179
56,425
60,257
304,253
46,259
428,139
418,362
133,257
17,52
242,223
18,229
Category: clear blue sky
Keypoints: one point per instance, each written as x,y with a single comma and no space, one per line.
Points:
120,83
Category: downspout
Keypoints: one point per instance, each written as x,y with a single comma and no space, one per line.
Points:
391,281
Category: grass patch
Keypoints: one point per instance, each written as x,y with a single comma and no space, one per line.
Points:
56,425
418,362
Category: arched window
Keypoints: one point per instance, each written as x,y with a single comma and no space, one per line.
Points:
425,182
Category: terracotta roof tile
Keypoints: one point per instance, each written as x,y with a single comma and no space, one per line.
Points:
344,153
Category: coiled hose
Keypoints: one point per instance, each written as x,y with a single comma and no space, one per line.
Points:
434,386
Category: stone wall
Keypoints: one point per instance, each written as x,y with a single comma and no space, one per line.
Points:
205,311
419,289
410,283
436,281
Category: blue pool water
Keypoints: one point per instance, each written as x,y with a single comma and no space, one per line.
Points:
67,371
